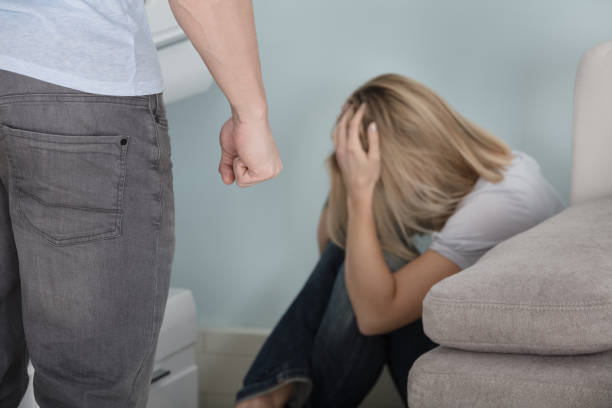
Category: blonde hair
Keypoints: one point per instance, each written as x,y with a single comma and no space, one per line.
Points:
431,157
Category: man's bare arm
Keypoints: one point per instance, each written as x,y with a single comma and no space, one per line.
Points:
223,32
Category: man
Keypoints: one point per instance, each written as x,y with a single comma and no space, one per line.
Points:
86,199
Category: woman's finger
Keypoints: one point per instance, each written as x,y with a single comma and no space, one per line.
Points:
345,107
373,142
353,131
341,130
335,136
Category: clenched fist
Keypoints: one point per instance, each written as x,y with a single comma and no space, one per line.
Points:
248,152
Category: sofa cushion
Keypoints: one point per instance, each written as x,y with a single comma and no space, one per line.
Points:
446,377
545,291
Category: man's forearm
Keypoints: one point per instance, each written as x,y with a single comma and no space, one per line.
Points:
223,32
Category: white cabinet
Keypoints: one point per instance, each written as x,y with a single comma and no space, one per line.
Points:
175,375
164,28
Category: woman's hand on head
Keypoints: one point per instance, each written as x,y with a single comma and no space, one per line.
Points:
360,169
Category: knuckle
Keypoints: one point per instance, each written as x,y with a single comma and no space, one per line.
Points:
268,173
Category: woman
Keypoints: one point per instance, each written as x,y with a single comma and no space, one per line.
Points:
405,164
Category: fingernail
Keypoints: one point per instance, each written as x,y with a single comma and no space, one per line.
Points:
373,127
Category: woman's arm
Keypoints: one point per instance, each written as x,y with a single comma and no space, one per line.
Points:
382,301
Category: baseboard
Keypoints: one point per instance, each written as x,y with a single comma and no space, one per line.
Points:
224,356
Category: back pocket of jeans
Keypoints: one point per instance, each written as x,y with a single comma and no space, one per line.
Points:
69,187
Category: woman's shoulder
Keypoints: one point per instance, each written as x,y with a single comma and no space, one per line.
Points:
524,185
524,170
494,212
523,198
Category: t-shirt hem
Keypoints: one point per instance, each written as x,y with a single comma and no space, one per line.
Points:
80,84
454,256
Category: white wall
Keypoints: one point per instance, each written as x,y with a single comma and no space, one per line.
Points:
508,65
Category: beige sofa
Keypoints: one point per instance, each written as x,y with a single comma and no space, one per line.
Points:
530,324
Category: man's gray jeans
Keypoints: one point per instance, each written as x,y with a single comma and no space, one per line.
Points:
86,243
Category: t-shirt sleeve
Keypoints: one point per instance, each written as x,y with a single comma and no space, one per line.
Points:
478,225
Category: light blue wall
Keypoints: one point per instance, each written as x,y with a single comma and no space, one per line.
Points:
508,65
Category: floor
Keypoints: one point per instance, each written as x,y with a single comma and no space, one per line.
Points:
224,356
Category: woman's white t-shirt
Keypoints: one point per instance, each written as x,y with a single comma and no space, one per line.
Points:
494,212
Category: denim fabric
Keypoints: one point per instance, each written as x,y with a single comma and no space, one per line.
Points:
86,243
317,345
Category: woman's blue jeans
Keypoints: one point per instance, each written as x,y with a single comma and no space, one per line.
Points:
317,345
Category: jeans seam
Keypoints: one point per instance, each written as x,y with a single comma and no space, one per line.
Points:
278,384
156,269
121,186
35,136
73,240
276,379
71,97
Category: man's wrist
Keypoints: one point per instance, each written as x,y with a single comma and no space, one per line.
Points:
251,112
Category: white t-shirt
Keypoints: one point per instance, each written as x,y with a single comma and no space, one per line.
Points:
492,213
97,46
